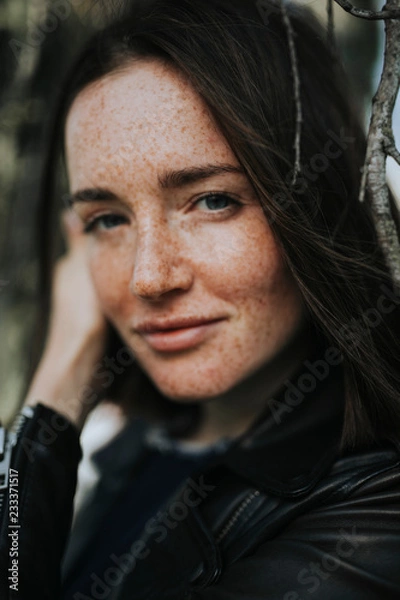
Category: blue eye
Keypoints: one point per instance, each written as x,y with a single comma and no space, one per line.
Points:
104,222
214,202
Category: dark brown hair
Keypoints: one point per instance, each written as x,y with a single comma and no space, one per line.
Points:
239,62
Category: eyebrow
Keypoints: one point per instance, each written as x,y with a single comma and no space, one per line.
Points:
182,177
90,195
171,179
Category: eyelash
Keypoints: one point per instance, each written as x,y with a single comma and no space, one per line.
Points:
234,204
97,220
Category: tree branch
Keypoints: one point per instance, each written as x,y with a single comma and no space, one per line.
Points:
390,148
331,25
380,144
296,90
371,15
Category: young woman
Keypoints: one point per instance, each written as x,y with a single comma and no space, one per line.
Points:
239,309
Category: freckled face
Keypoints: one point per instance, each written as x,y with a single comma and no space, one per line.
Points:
176,242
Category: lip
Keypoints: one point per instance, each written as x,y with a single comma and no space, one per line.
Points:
173,336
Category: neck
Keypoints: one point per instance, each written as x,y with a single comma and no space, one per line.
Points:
232,413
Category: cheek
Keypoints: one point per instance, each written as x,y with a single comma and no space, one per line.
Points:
252,276
244,263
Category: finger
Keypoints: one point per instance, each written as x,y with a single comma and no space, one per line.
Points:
72,227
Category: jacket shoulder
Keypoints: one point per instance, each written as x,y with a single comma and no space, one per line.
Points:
340,541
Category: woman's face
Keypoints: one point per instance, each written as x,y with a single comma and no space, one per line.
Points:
182,258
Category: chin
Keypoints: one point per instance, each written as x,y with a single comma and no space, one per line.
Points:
199,380
187,388
192,392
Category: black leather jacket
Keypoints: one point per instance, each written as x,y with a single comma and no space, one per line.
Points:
281,515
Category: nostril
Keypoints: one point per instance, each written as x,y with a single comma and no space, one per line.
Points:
157,281
161,265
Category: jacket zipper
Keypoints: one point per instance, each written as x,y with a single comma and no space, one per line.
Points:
231,522
21,418
8,439
236,514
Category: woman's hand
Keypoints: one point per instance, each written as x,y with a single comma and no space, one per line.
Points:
77,333
76,315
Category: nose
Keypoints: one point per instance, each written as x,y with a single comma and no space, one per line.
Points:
160,265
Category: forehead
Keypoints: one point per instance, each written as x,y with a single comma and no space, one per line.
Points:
147,112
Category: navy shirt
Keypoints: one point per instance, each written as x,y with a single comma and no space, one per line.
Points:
167,464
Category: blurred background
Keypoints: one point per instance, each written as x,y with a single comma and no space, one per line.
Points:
38,40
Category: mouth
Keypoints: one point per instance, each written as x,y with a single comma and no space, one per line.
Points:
179,335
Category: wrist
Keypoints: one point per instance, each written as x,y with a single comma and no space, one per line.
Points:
63,381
